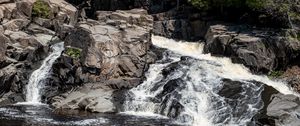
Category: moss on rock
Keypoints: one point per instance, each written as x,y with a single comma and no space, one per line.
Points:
41,9
275,74
74,52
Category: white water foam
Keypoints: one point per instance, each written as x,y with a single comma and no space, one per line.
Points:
227,69
199,96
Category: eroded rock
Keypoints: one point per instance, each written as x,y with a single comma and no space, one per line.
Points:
285,109
90,97
115,51
260,50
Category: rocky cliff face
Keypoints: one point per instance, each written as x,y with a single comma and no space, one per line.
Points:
25,42
110,52
114,53
19,52
262,50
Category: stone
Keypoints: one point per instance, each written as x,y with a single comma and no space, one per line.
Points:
37,29
66,13
25,7
90,97
285,109
16,24
180,29
7,76
231,89
3,41
46,23
111,53
258,49
4,1
6,11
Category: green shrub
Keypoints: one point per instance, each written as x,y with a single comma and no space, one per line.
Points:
220,4
200,4
275,74
41,9
74,53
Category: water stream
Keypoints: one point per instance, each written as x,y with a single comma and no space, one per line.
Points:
198,89
38,77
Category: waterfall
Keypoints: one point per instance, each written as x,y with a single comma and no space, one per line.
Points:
38,77
198,89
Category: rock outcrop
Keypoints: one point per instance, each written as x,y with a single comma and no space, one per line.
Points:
90,97
25,42
109,53
113,52
182,22
260,50
284,109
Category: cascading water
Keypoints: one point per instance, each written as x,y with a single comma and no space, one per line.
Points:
198,89
38,77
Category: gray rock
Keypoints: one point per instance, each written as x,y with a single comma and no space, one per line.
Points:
16,24
4,1
3,41
260,50
285,108
6,11
91,97
66,13
180,29
113,52
7,76
46,23
25,7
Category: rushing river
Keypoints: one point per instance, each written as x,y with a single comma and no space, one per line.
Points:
198,89
184,87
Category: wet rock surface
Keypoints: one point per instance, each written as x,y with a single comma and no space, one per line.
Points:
90,97
115,51
24,44
284,109
262,51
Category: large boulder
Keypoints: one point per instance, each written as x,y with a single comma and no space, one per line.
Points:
114,52
6,11
7,77
65,12
260,50
180,29
3,41
12,9
284,109
90,97
15,24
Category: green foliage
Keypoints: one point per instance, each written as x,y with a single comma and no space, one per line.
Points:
73,52
219,4
41,9
294,16
275,74
257,4
200,4
292,35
